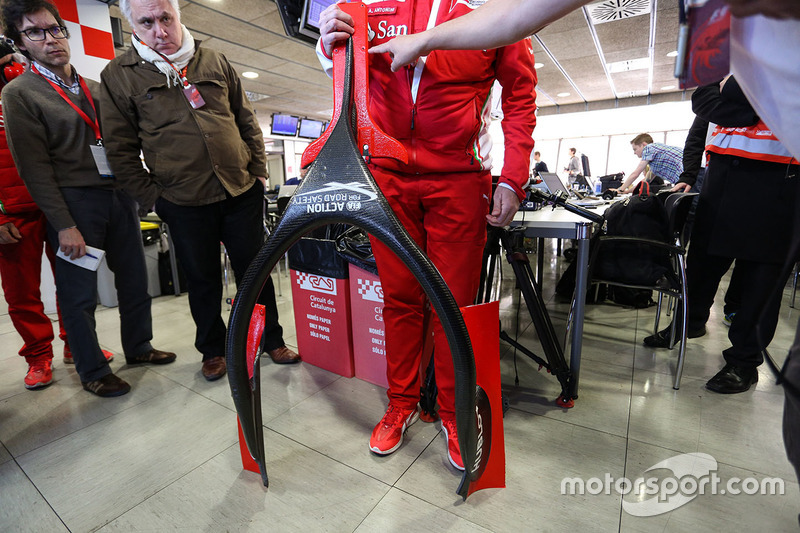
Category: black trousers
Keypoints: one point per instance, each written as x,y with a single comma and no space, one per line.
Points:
236,222
107,220
745,213
791,407
751,330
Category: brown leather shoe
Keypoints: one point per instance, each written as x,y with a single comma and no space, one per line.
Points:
156,357
214,368
283,356
107,387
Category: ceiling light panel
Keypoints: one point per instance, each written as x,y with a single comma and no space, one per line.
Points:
611,10
630,64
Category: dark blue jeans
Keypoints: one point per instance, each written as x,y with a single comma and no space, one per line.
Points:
197,231
107,220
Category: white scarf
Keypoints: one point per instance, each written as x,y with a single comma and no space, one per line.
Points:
180,58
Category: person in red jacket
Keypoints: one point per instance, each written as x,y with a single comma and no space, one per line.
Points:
439,111
22,238
23,235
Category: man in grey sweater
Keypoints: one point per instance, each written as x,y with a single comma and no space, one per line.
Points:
54,136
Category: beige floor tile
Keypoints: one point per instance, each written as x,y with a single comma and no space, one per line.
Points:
164,457
713,511
14,370
602,402
338,420
36,418
307,492
122,460
754,423
22,507
694,419
400,512
540,453
4,455
282,386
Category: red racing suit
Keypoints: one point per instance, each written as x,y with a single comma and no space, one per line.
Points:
439,110
21,262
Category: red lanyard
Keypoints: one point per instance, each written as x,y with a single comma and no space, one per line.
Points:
181,73
92,123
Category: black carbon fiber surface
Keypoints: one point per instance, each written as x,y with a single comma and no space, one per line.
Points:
339,188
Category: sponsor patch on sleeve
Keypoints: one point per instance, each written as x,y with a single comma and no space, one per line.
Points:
472,4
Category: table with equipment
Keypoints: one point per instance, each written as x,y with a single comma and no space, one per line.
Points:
559,223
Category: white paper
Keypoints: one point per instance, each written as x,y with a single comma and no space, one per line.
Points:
90,261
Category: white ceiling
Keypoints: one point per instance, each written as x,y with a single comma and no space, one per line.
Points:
575,52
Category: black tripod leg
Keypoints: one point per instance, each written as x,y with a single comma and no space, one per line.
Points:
540,317
428,394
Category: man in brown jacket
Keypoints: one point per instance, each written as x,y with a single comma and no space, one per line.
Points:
184,107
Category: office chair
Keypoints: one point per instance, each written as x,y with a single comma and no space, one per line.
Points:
673,283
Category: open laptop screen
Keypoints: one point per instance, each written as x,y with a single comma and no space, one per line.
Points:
553,182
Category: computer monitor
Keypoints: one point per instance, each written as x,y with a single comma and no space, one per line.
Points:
582,182
290,12
585,165
310,129
309,21
284,124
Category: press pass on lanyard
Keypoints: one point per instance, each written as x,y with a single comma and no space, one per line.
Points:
190,92
97,149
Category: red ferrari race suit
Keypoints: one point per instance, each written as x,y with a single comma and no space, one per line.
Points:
21,262
439,110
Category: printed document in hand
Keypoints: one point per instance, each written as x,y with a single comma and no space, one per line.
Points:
90,261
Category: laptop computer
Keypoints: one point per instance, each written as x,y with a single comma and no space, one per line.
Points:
553,182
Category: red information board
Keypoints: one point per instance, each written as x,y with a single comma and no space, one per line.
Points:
322,320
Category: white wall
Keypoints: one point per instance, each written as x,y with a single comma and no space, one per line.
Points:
604,135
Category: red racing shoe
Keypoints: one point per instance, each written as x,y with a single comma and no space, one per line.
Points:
40,374
68,360
453,449
388,434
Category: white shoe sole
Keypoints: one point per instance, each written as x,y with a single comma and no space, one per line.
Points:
38,385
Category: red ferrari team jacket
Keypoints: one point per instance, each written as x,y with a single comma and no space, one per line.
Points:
14,197
439,110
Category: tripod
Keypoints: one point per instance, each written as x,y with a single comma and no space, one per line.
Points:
554,361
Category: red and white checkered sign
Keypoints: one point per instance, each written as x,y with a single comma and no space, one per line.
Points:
370,290
90,40
313,282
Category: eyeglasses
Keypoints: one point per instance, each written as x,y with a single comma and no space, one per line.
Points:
38,34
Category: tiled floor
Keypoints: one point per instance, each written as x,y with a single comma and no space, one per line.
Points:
165,457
